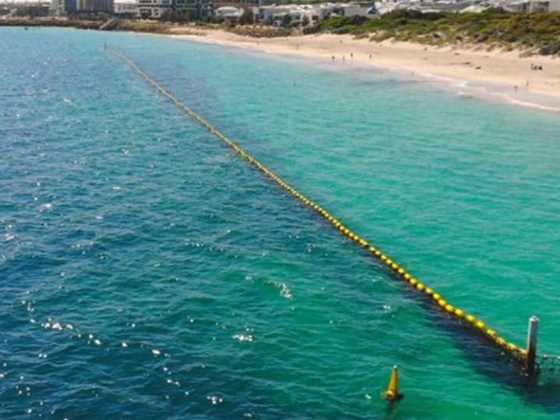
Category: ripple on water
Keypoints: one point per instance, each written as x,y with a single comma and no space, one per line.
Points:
210,293
244,338
45,207
282,287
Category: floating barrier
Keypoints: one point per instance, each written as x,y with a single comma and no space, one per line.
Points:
400,272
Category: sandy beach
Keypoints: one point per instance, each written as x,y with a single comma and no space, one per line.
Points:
505,76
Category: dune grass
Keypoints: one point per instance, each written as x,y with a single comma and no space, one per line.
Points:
539,32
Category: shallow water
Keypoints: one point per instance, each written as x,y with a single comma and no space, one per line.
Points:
147,272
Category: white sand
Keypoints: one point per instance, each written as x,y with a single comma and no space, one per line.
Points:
501,75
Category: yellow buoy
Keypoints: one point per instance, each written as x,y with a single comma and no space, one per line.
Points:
511,347
392,393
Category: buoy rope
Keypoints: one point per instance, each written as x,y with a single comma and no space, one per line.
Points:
400,272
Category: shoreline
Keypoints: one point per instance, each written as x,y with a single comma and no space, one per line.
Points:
497,76
493,75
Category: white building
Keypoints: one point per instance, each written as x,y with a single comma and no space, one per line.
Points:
274,14
128,9
229,13
539,6
466,6
175,9
355,9
309,13
154,9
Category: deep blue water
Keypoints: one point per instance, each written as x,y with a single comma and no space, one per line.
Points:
147,272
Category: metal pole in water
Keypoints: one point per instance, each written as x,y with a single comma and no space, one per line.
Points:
532,344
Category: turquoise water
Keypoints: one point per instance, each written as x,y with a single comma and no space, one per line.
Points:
147,272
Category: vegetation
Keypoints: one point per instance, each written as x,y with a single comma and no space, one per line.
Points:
531,32
259,31
537,32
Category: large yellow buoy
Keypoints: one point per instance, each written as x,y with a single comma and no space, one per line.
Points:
392,393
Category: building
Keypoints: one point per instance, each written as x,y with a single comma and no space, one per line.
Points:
355,9
25,9
469,6
305,14
154,9
126,10
228,14
73,7
193,9
175,9
63,7
94,6
538,6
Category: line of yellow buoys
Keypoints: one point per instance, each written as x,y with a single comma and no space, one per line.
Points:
401,273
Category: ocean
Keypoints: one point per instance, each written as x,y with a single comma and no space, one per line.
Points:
146,271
